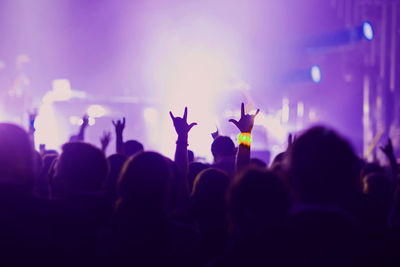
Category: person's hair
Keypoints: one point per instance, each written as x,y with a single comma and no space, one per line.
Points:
223,146
81,167
131,147
279,158
209,190
16,156
258,201
143,186
194,169
323,168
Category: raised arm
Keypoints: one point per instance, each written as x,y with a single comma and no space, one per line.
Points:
105,140
182,128
119,129
245,126
85,124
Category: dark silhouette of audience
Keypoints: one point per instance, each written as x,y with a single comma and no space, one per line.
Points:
115,162
209,210
146,233
132,147
194,169
318,204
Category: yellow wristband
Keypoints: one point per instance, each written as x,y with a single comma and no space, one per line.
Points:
245,139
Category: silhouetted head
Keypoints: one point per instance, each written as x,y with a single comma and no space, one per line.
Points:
16,156
132,147
80,168
194,169
258,202
143,187
222,147
278,159
323,168
209,191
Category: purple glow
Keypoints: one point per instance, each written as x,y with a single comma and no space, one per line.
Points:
206,55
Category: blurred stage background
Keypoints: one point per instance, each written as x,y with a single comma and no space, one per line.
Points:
334,62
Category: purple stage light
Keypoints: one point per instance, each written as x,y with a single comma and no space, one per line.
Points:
368,30
316,74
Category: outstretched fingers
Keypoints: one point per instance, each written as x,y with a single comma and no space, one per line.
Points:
185,114
258,111
191,125
172,116
234,122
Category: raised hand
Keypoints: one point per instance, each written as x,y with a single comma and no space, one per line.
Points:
85,121
81,135
182,128
105,140
215,134
291,139
246,121
119,125
119,128
388,149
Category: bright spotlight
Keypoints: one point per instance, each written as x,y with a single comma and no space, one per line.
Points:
96,111
150,115
47,129
61,91
74,120
368,30
92,121
316,74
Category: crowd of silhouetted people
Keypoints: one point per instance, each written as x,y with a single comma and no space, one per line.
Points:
316,204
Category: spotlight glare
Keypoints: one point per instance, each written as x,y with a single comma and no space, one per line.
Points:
96,111
150,115
316,74
61,90
368,30
92,121
74,120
